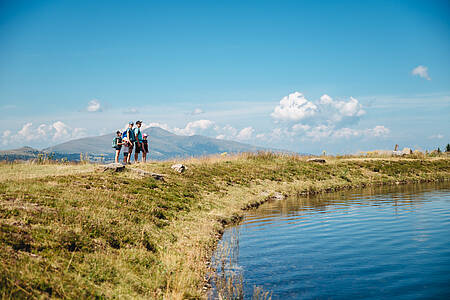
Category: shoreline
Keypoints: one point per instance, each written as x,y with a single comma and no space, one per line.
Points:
107,234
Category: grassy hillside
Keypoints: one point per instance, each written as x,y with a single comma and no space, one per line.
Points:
82,233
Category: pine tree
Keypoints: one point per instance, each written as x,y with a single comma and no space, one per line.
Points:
447,149
438,150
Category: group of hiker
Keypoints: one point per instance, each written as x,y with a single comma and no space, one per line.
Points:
131,138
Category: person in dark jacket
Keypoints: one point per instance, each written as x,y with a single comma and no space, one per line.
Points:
117,142
130,139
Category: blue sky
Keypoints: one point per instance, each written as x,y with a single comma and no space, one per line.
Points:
355,75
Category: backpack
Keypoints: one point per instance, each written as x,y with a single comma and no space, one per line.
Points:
132,137
114,142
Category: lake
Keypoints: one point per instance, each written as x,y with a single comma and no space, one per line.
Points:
386,242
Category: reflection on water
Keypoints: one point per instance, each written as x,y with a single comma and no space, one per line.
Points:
386,242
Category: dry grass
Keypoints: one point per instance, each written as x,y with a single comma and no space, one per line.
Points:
28,170
85,234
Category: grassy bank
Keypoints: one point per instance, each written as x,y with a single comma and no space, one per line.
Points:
82,233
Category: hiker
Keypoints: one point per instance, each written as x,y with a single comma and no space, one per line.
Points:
138,141
145,147
117,144
125,150
131,139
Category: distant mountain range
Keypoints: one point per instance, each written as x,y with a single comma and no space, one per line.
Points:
162,145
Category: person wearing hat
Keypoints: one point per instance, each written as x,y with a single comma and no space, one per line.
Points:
138,140
144,147
131,139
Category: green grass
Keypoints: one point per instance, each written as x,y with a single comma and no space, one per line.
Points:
80,233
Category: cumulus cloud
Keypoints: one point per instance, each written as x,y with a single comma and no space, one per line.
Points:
245,134
294,107
319,132
6,133
338,112
154,124
421,71
94,106
27,132
194,127
324,118
228,132
42,134
61,130
378,131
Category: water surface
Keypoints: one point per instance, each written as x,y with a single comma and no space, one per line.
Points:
388,243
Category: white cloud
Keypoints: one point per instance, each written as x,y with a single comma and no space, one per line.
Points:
379,131
94,106
325,99
154,124
339,111
326,111
437,136
26,132
280,134
294,107
346,133
194,127
6,133
350,108
421,71
245,134
43,129
319,132
42,134
229,131
61,131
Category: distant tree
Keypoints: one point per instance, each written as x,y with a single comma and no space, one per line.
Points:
438,150
447,149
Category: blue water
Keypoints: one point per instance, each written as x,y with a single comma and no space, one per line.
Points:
385,243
